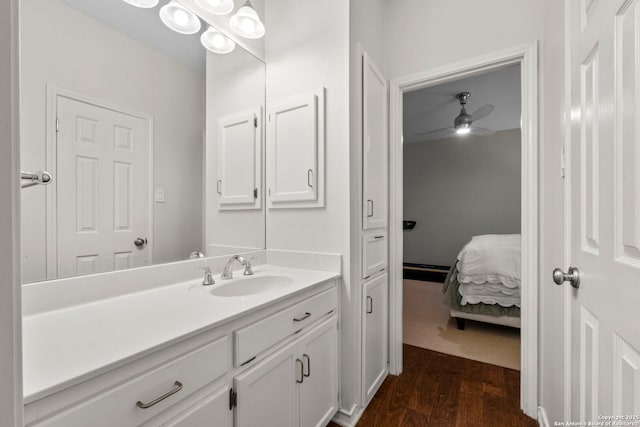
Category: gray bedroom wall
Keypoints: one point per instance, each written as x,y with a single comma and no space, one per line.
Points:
460,187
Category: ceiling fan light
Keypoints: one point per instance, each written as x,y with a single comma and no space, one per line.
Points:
246,22
463,131
216,42
179,18
217,7
145,4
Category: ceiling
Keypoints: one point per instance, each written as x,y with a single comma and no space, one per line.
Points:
436,107
145,26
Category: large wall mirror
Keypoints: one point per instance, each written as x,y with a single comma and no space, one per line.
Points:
155,144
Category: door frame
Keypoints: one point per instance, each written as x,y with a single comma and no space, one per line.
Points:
53,92
527,56
11,405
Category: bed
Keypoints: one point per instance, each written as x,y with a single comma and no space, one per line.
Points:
484,282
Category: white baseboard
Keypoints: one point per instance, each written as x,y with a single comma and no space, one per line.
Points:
348,418
543,421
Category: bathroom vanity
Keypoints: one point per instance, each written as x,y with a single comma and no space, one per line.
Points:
181,355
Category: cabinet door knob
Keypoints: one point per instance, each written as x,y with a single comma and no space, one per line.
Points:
308,374
369,304
369,203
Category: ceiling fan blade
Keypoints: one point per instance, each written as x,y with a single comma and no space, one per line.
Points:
482,112
432,134
481,131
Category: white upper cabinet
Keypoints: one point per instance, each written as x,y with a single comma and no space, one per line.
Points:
295,151
239,160
375,152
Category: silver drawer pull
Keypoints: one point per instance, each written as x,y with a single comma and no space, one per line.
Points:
378,237
308,374
300,319
177,388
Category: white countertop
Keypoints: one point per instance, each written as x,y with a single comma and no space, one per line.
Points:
65,347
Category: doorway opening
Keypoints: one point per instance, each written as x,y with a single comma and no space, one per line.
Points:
461,234
523,58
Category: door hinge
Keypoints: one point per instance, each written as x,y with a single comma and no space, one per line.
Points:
57,124
563,163
233,399
255,193
255,122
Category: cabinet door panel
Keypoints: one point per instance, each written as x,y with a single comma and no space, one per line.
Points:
319,391
213,411
295,144
374,253
374,150
268,393
239,165
375,332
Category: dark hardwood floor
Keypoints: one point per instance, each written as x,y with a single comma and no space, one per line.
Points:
439,390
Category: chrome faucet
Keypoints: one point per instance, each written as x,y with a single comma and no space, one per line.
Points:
227,270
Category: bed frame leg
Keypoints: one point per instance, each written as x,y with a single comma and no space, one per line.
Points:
461,323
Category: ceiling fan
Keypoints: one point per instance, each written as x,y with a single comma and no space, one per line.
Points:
462,124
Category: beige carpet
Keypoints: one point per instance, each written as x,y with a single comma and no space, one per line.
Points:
427,325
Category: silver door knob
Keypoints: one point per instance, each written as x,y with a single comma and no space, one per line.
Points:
140,242
573,277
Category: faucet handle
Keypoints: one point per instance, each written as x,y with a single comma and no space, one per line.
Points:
248,269
208,276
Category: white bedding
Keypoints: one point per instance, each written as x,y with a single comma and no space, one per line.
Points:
490,294
491,258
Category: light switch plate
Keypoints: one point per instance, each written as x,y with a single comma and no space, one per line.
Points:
159,195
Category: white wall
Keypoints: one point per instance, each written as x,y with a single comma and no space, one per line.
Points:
63,47
552,251
10,312
457,188
424,34
235,83
306,48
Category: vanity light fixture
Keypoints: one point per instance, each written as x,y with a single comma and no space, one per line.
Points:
179,18
246,22
145,4
217,7
217,42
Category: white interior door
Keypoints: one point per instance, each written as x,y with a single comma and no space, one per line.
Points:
102,187
605,208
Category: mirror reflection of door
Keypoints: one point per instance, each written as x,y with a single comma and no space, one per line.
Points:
103,188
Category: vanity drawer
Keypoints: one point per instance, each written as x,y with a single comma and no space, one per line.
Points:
261,335
120,405
374,252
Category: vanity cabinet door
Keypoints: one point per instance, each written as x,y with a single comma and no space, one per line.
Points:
374,336
268,392
212,411
319,389
374,147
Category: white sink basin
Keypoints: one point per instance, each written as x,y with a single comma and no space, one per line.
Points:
250,286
